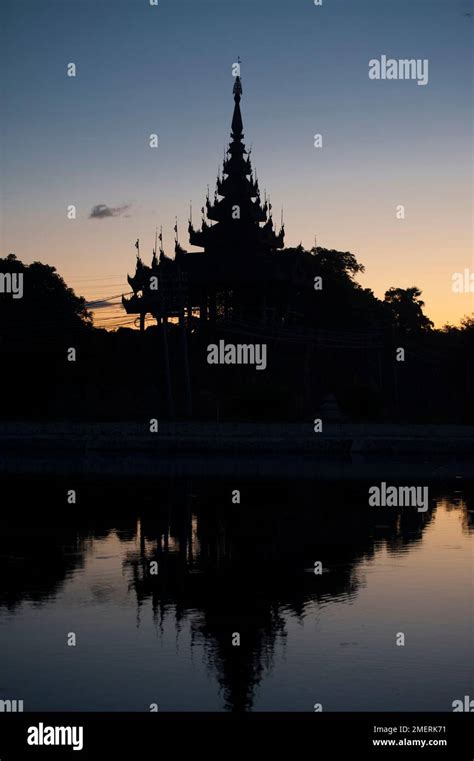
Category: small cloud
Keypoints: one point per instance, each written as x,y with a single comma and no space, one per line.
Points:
466,8
102,211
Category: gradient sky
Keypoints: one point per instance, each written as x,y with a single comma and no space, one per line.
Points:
167,70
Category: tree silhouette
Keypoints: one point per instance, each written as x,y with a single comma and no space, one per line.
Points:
466,326
407,310
48,309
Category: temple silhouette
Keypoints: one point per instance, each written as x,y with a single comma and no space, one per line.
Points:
237,275
246,284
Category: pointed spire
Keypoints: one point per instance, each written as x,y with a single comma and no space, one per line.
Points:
155,251
237,126
154,260
237,185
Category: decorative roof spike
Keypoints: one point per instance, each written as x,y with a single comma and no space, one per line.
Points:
153,258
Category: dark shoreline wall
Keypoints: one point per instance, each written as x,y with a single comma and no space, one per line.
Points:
121,376
341,452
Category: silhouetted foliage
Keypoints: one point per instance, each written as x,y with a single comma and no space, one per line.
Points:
466,327
47,310
407,310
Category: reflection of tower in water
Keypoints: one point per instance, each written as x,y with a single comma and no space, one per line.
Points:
234,569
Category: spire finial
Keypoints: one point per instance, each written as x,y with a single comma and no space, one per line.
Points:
237,126
237,84
237,90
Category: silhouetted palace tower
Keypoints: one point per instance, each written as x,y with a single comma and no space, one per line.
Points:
235,274
237,206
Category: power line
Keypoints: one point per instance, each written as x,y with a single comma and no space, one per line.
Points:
106,298
88,279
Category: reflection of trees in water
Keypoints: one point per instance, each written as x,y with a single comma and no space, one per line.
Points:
468,521
225,568
34,567
43,540
464,502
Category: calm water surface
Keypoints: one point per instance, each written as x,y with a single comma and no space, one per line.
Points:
226,568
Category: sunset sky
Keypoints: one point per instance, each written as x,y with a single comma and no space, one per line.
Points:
167,70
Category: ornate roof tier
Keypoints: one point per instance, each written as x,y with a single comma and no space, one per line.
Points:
237,208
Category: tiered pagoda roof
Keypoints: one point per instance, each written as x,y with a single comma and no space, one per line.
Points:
237,208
